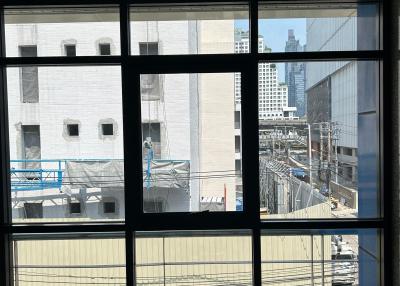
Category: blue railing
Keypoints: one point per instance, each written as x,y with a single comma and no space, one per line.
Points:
24,178
48,174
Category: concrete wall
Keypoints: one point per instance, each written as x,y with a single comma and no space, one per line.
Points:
216,141
318,211
346,196
337,34
217,144
90,95
344,104
51,37
216,36
362,34
172,36
56,204
174,260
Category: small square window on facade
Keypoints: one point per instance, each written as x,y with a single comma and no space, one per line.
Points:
75,207
33,210
148,48
70,50
109,207
73,129
107,129
105,49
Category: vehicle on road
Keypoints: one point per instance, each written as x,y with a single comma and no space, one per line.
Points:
344,266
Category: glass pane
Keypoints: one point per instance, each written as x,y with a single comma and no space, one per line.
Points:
61,31
193,258
45,260
64,167
326,27
167,30
189,136
318,136
338,258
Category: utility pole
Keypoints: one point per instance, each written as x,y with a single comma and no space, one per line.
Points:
321,149
273,144
328,170
279,146
321,143
329,141
310,154
336,161
333,141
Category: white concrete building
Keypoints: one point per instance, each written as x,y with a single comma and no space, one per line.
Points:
272,95
351,91
340,87
60,114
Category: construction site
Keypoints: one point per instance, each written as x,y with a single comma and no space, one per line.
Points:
298,172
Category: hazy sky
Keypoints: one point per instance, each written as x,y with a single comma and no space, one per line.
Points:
275,34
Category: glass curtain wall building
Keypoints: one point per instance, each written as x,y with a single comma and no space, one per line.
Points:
204,143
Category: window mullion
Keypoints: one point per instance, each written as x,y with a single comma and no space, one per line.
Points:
5,213
129,146
389,140
250,145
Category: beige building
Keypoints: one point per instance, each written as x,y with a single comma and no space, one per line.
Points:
165,259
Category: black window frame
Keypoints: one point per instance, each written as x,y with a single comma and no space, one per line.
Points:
247,64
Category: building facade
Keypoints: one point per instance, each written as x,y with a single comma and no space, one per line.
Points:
331,89
295,76
272,95
63,119
341,100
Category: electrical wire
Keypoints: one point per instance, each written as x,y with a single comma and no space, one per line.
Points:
225,276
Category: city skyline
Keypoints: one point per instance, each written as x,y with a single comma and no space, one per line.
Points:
275,35
295,73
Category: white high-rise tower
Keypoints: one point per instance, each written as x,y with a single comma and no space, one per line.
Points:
272,95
